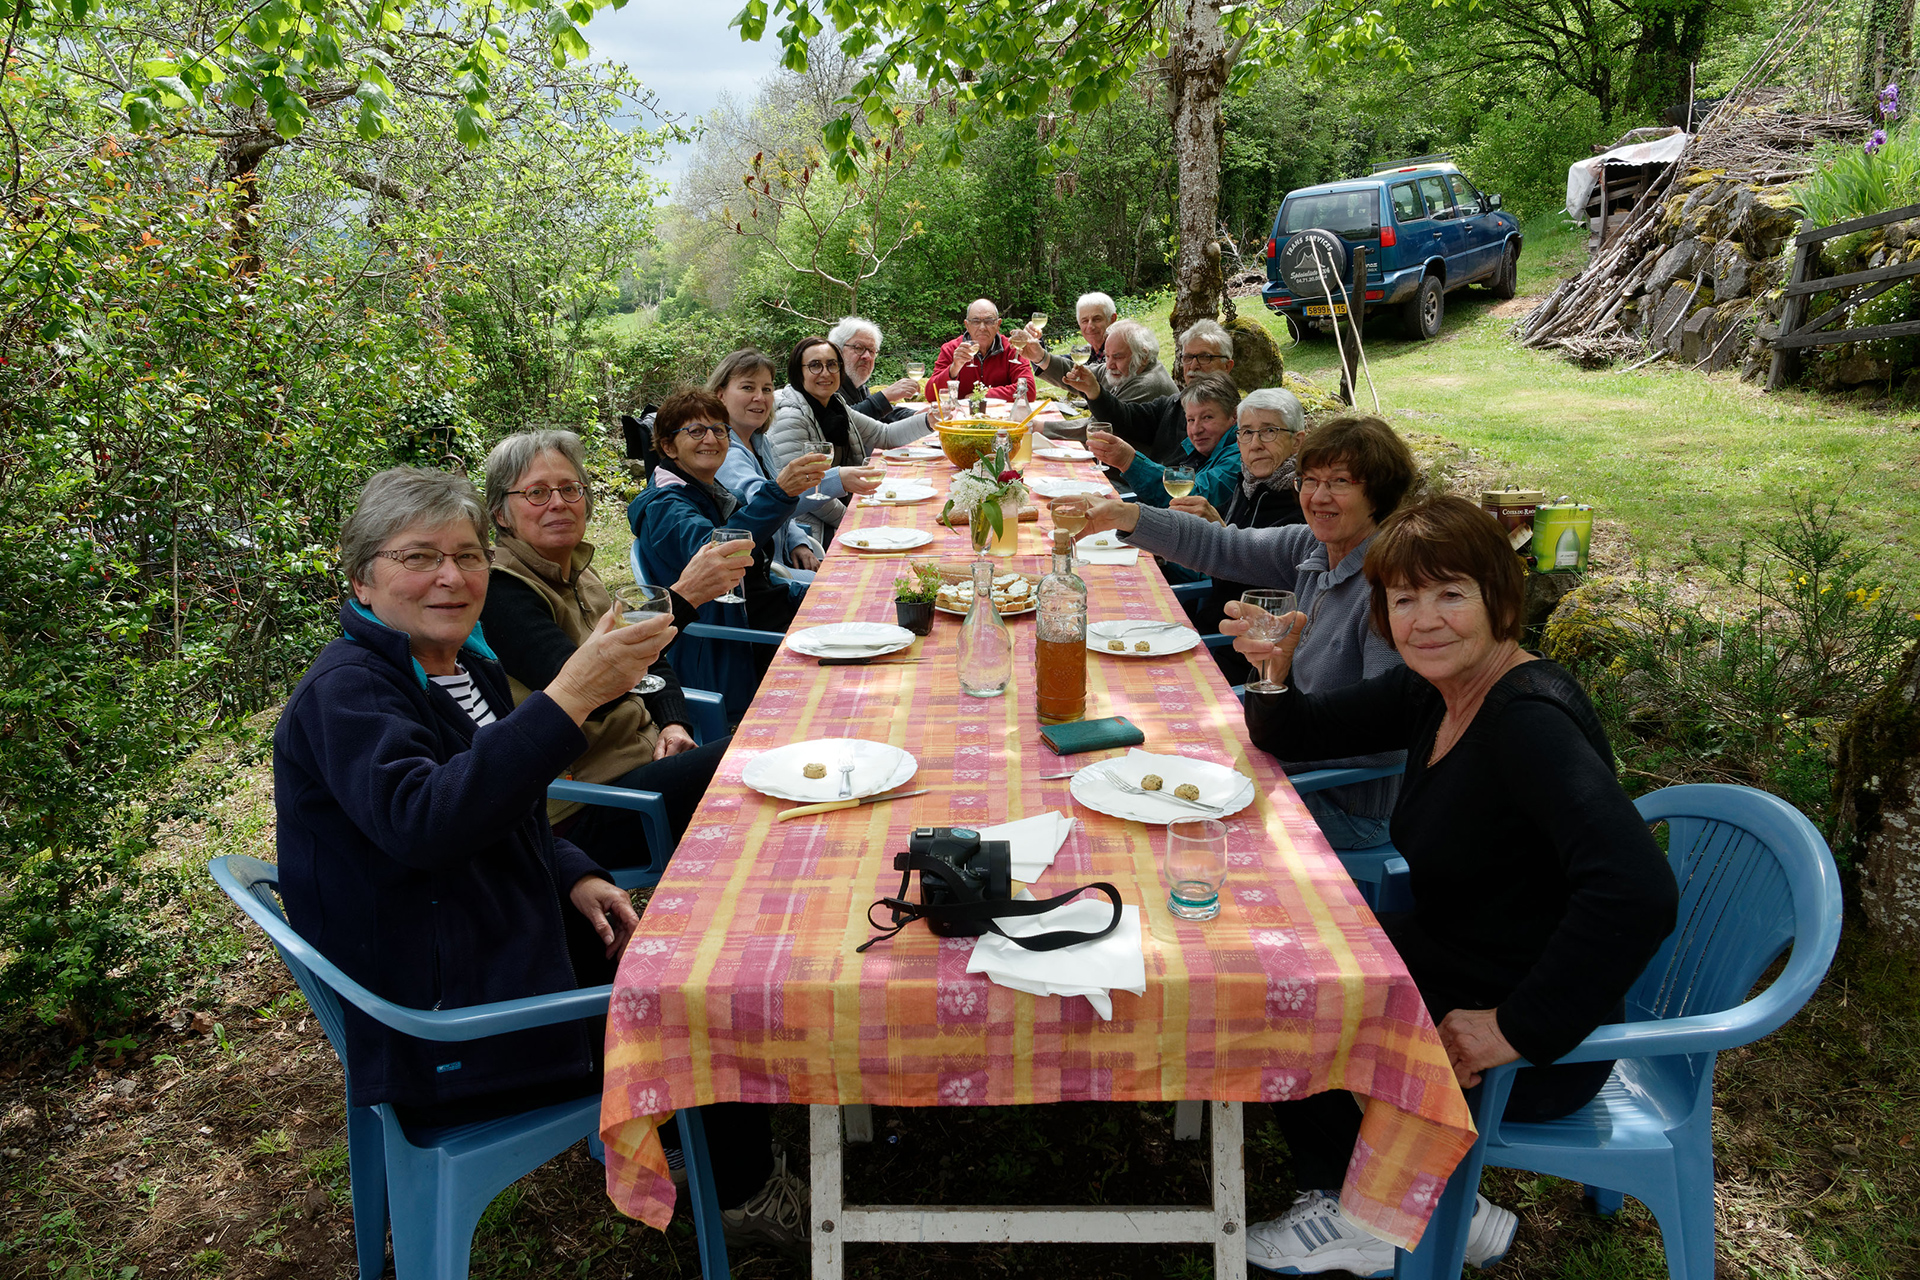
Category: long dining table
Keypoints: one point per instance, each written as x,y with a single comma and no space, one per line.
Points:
743,983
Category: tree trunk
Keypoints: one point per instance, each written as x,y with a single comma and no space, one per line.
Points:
1877,782
1198,73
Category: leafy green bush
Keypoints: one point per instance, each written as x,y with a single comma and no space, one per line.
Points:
1755,693
1522,148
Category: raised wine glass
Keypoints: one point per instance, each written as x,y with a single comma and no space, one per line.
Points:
634,602
1267,621
730,535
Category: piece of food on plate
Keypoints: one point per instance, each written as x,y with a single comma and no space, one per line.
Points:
815,771
1118,646
1187,791
1141,646
1152,782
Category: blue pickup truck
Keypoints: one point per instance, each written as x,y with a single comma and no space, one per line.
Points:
1426,229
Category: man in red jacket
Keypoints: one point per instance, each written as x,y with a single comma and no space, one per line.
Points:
981,355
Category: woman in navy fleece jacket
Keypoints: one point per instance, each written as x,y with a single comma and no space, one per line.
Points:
411,793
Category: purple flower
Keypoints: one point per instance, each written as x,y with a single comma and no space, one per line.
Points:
1877,141
1890,101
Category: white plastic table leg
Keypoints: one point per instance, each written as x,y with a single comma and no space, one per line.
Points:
1221,1224
1186,1121
858,1118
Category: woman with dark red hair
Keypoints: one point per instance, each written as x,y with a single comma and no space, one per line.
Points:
1538,894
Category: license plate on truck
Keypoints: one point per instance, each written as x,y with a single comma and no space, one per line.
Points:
1337,309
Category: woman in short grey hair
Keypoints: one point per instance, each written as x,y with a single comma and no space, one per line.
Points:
545,601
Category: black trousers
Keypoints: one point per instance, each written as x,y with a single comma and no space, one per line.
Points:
615,837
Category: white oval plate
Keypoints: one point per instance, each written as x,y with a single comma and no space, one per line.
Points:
902,491
1064,455
883,537
913,452
1161,641
1056,487
1227,790
850,640
781,772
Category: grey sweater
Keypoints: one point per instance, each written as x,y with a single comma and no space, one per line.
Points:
1340,647
1144,384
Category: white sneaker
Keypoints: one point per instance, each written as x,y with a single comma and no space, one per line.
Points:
1312,1237
1490,1234
779,1214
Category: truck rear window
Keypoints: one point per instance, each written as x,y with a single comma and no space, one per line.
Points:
1352,214
1406,202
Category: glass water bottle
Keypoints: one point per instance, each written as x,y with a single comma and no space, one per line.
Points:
986,646
1060,656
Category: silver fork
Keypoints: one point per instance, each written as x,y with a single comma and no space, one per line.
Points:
1117,630
1121,784
846,775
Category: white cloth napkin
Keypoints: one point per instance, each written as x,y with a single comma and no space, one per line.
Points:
1090,969
1032,842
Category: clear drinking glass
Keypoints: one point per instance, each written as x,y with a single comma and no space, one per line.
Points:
632,603
1267,621
1038,323
730,535
1196,867
917,370
1177,481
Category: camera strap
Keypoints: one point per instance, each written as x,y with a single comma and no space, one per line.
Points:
969,908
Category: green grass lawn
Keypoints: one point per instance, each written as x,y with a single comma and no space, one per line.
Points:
1663,453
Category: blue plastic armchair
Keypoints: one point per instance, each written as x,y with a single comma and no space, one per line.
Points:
1380,872
1755,878
433,1184
709,725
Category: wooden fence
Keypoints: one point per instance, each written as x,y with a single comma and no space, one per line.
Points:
1853,289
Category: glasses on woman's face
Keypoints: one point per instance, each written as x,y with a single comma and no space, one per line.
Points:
818,367
429,559
704,430
539,494
1265,435
1338,487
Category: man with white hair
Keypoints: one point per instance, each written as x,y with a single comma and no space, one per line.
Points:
859,341
1094,313
1206,347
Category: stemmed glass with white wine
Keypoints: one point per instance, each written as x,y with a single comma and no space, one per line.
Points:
634,602
1267,620
1177,481
1070,514
730,535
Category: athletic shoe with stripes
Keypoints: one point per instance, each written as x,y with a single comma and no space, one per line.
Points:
1312,1237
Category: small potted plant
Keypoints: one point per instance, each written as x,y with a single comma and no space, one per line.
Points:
913,598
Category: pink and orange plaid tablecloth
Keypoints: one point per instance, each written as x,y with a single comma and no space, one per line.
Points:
742,983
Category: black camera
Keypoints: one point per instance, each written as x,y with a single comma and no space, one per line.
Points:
957,866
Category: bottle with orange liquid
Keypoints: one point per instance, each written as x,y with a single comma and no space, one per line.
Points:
1060,654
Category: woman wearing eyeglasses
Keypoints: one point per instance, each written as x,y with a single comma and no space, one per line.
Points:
543,602
809,416
683,503
1354,472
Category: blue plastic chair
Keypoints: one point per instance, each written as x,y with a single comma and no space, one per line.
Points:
1380,872
433,1184
1755,878
1195,590
709,725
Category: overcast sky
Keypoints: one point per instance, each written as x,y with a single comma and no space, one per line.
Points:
686,53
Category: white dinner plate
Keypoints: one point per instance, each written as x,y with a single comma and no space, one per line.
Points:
1064,455
885,537
902,491
1105,540
1225,791
913,453
1060,487
1160,640
781,772
850,640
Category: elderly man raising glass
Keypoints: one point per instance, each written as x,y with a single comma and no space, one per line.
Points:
981,355
859,341
1158,427
1094,313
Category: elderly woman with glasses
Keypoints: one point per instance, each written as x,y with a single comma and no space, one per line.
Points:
744,383
1536,904
410,789
1158,427
1354,472
543,602
859,341
680,509
809,416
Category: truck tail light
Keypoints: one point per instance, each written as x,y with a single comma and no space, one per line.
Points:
1271,252
1388,238
1374,295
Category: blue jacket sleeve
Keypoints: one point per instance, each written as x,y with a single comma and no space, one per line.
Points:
671,531
363,737
1221,475
1143,474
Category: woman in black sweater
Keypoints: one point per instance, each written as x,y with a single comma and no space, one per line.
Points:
1538,893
